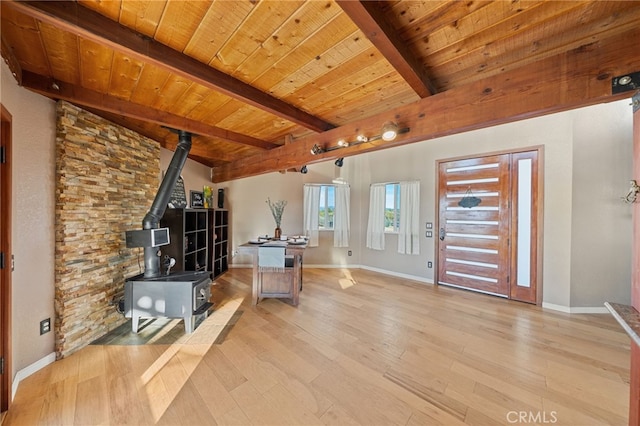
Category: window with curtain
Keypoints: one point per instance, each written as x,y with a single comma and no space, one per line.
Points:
311,208
326,208
375,224
394,208
409,226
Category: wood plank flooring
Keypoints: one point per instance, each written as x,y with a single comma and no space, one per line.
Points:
361,349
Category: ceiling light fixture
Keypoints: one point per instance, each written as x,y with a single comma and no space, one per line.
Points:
315,149
389,131
304,170
339,162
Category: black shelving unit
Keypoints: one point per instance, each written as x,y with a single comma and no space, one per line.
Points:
199,239
220,253
189,233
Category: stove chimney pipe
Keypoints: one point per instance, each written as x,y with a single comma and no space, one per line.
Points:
152,218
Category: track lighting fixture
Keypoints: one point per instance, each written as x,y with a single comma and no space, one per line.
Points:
304,170
315,149
389,131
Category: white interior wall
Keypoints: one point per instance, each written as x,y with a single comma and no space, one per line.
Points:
562,135
33,216
419,162
574,273
601,227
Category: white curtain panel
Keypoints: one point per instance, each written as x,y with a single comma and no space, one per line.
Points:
375,225
311,204
409,232
341,216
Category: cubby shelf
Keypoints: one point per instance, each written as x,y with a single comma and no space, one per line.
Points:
198,239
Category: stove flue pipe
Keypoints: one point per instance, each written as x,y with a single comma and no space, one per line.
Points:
152,218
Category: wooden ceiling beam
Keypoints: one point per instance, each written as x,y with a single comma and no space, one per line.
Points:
371,20
91,99
199,152
572,79
12,61
88,24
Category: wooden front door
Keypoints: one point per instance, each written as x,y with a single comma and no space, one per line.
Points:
487,226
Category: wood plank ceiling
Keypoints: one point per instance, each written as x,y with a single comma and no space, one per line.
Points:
260,82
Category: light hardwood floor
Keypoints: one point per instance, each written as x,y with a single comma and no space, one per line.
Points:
361,348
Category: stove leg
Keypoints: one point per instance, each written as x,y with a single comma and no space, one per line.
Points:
188,324
134,323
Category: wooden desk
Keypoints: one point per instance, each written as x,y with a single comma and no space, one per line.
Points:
283,285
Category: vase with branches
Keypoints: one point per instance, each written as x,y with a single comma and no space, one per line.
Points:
277,208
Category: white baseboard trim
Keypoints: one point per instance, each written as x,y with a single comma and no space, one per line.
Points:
306,265
554,307
320,266
575,310
369,268
398,274
545,305
589,310
29,370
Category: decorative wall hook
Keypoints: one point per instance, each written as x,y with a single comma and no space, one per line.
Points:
632,195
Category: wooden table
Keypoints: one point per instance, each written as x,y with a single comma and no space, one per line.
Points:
283,285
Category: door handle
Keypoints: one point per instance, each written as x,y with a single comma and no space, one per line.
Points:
442,234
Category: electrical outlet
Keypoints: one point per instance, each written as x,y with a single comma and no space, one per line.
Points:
429,264
349,253
45,326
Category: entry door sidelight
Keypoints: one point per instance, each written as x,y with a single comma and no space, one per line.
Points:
525,226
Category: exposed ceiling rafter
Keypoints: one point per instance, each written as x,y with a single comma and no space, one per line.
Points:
86,23
12,61
509,61
91,99
368,16
199,152
530,91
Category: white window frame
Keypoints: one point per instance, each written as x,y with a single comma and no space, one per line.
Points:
324,203
395,199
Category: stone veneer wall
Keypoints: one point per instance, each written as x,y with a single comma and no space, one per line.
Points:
106,179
